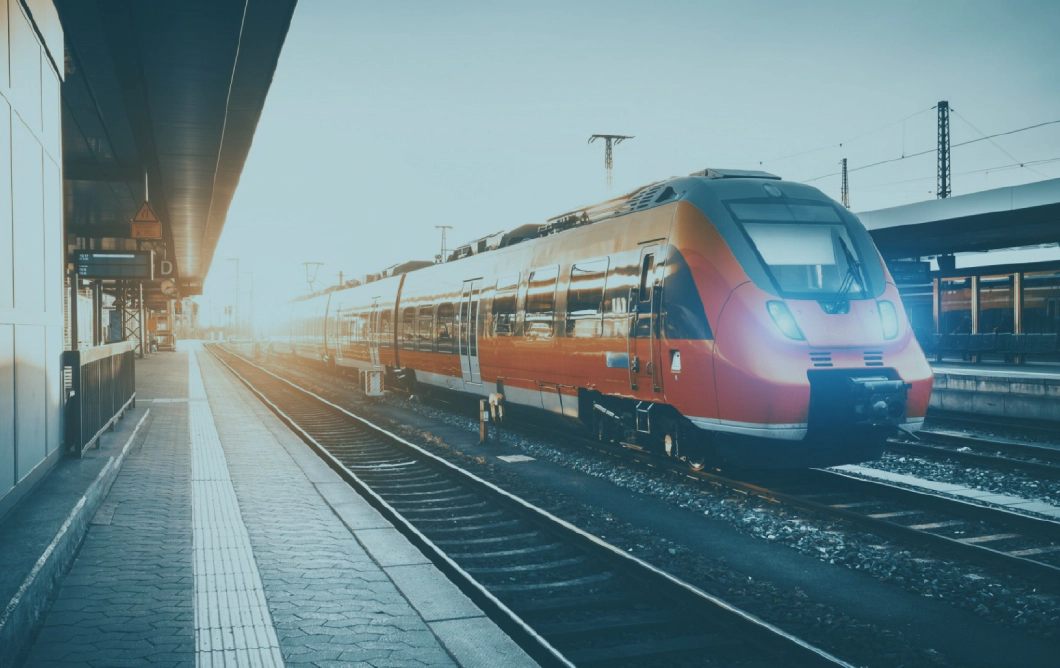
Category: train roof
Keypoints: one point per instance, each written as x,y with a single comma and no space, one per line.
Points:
645,197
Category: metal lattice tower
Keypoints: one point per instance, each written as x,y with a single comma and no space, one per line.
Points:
845,192
609,141
132,315
311,269
443,228
944,150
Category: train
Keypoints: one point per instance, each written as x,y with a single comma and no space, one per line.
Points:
727,317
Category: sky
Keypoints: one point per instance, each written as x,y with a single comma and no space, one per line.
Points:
387,119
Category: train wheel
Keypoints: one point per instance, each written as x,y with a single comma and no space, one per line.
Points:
695,456
679,443
600,428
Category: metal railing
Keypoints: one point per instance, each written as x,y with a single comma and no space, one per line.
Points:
102,386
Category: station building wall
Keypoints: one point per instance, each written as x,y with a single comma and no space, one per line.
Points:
31,250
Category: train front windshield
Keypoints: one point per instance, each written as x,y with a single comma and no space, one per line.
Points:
807,249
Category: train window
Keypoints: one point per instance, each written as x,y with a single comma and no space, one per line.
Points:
386,332
363,326
621,280
445,330
408,328
813,260
646,271
585,298
541,302
425,327
504,302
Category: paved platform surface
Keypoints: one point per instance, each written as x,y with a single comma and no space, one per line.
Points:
224,540
1032,371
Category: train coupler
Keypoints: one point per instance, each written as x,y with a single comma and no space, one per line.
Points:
878,401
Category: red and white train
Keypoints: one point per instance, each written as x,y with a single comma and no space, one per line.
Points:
726,314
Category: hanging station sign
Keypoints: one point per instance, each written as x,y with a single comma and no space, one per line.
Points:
905,272
116,265
145,224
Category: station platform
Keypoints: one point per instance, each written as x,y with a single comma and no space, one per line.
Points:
204,532
1009,391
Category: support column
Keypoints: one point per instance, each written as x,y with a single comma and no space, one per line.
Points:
975,304
74,280
935,302
97,313
1017,303
143,322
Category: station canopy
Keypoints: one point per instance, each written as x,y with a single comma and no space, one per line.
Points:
1013,217
173,90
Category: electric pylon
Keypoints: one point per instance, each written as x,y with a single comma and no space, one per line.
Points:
609,140
443,228
944,150
845,192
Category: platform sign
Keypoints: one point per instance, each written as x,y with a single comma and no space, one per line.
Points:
190,287
907,272
145,224
130,265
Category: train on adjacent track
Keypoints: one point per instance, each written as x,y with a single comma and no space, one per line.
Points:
726,316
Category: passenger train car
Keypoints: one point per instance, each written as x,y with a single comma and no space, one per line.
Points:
727,314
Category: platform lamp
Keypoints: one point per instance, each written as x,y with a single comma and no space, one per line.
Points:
250,305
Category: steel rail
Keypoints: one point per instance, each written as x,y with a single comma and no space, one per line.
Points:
982,459
970,510
1026,424
762,631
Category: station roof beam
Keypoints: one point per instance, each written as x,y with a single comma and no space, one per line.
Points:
1024,215
173,90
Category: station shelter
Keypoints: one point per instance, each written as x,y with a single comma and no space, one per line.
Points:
124,128
979,274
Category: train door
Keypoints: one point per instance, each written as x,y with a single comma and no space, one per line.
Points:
468,327
374,333
644,307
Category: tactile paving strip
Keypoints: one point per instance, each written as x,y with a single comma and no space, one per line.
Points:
233,626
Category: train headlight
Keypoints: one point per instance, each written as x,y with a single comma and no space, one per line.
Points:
888,319
784,320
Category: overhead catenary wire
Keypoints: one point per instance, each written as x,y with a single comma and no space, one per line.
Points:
934,150
996,145
843,143
997,168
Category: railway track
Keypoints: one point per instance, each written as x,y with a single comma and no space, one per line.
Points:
1015,542
1018,543
1044,428
568,597
984,451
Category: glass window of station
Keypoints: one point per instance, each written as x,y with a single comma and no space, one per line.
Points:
986,314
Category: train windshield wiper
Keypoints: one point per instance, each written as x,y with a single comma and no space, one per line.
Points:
853,274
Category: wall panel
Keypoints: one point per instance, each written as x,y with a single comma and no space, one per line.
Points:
54,388
28,196
51,112
7,262
25,66
7,407
5,81
30,391
54,265
31,251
